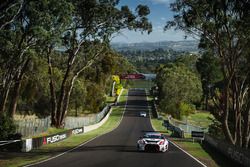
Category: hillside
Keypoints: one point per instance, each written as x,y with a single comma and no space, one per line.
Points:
180,46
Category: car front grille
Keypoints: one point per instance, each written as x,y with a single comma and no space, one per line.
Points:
150,141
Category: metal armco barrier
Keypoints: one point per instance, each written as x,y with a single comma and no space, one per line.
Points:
177,132
11,145
2,143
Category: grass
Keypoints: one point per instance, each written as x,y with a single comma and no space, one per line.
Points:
197,150
11,159
140,83
200,118
194,149
157,125
110,99
50,131
203,152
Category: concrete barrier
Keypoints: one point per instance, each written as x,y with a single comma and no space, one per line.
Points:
29,144
95,126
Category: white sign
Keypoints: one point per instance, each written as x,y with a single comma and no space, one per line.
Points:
56,138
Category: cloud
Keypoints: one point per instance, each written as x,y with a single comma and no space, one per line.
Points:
166,2
157,35
163,18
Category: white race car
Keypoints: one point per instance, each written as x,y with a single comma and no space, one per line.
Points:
143,114
152,141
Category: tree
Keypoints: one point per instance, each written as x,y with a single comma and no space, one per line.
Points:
21,41
223,26
179,87
208,68
87,40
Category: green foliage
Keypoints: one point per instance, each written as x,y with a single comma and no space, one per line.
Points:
215,129
55,54
209,69
118,88
7,127
186,109
223,28
148,61
95,99
178,86
116,79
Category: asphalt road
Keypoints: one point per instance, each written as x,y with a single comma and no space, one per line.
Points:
118,148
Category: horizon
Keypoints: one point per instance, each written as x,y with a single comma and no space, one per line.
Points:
154,41
160,14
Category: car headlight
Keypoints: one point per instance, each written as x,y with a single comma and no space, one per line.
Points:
162,142
141,142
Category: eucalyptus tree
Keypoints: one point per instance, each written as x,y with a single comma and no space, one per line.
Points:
20,41
209,69
16,40
223,26
87,39
179,86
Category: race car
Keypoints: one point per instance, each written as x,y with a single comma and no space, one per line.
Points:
152,141
143,114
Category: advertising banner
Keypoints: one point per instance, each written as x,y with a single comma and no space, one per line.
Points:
132,76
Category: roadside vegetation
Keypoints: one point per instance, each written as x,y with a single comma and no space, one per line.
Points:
202,152
59,62
201,119
217,79
14,159
223,29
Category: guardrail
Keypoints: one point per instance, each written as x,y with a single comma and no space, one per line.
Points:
154,110
176,131
187,128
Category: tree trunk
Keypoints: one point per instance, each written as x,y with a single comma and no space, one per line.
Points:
60,109
66,99
15,96
4,99
52,89
225,108
246,125
17,87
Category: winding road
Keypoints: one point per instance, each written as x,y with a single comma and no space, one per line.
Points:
118,148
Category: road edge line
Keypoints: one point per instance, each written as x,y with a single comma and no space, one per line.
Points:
174,143
84,143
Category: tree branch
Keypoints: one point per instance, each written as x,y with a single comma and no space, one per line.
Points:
14,16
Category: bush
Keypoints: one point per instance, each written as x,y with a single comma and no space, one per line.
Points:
7,127
215,129
186,109
118,89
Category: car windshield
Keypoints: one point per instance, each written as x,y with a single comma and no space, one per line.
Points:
152,136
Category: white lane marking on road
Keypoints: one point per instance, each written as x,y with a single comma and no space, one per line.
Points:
82,143
188,153
177,145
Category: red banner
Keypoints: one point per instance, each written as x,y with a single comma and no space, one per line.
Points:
132,76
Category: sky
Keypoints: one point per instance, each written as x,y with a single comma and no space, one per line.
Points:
160,13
